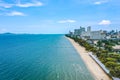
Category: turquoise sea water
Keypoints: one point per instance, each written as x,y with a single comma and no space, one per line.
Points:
40,57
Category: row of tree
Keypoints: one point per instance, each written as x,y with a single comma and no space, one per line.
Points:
108,44
111,61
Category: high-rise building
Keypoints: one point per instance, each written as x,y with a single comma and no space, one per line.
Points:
89,29
78,32
93,34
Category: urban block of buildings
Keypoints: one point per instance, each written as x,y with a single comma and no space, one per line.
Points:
94,35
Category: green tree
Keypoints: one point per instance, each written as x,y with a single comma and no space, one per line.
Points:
110,64
115,72
111,59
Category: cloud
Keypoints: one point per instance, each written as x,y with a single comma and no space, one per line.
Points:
97,3
5,5
101,2
15,13
105,22
20,4
35,4
67,21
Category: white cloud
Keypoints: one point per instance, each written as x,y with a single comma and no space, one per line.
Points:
15,13
101,2
105,22
20,4
5,5
30,4
66,21
97,3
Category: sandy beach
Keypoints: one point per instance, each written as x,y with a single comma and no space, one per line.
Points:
92,66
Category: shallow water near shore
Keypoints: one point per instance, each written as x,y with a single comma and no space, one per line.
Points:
40,57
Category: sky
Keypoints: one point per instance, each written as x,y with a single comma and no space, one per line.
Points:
58,16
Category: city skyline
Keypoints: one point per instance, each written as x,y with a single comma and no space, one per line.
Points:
58,17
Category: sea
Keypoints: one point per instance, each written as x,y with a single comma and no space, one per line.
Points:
40,57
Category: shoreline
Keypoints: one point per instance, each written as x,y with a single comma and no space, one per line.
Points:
96,71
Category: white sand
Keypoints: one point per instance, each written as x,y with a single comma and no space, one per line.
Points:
93,67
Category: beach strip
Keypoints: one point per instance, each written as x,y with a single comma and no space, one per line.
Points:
92,66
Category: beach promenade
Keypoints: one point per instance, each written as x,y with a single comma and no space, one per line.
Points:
93,67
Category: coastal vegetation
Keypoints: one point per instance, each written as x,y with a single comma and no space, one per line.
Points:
105,53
